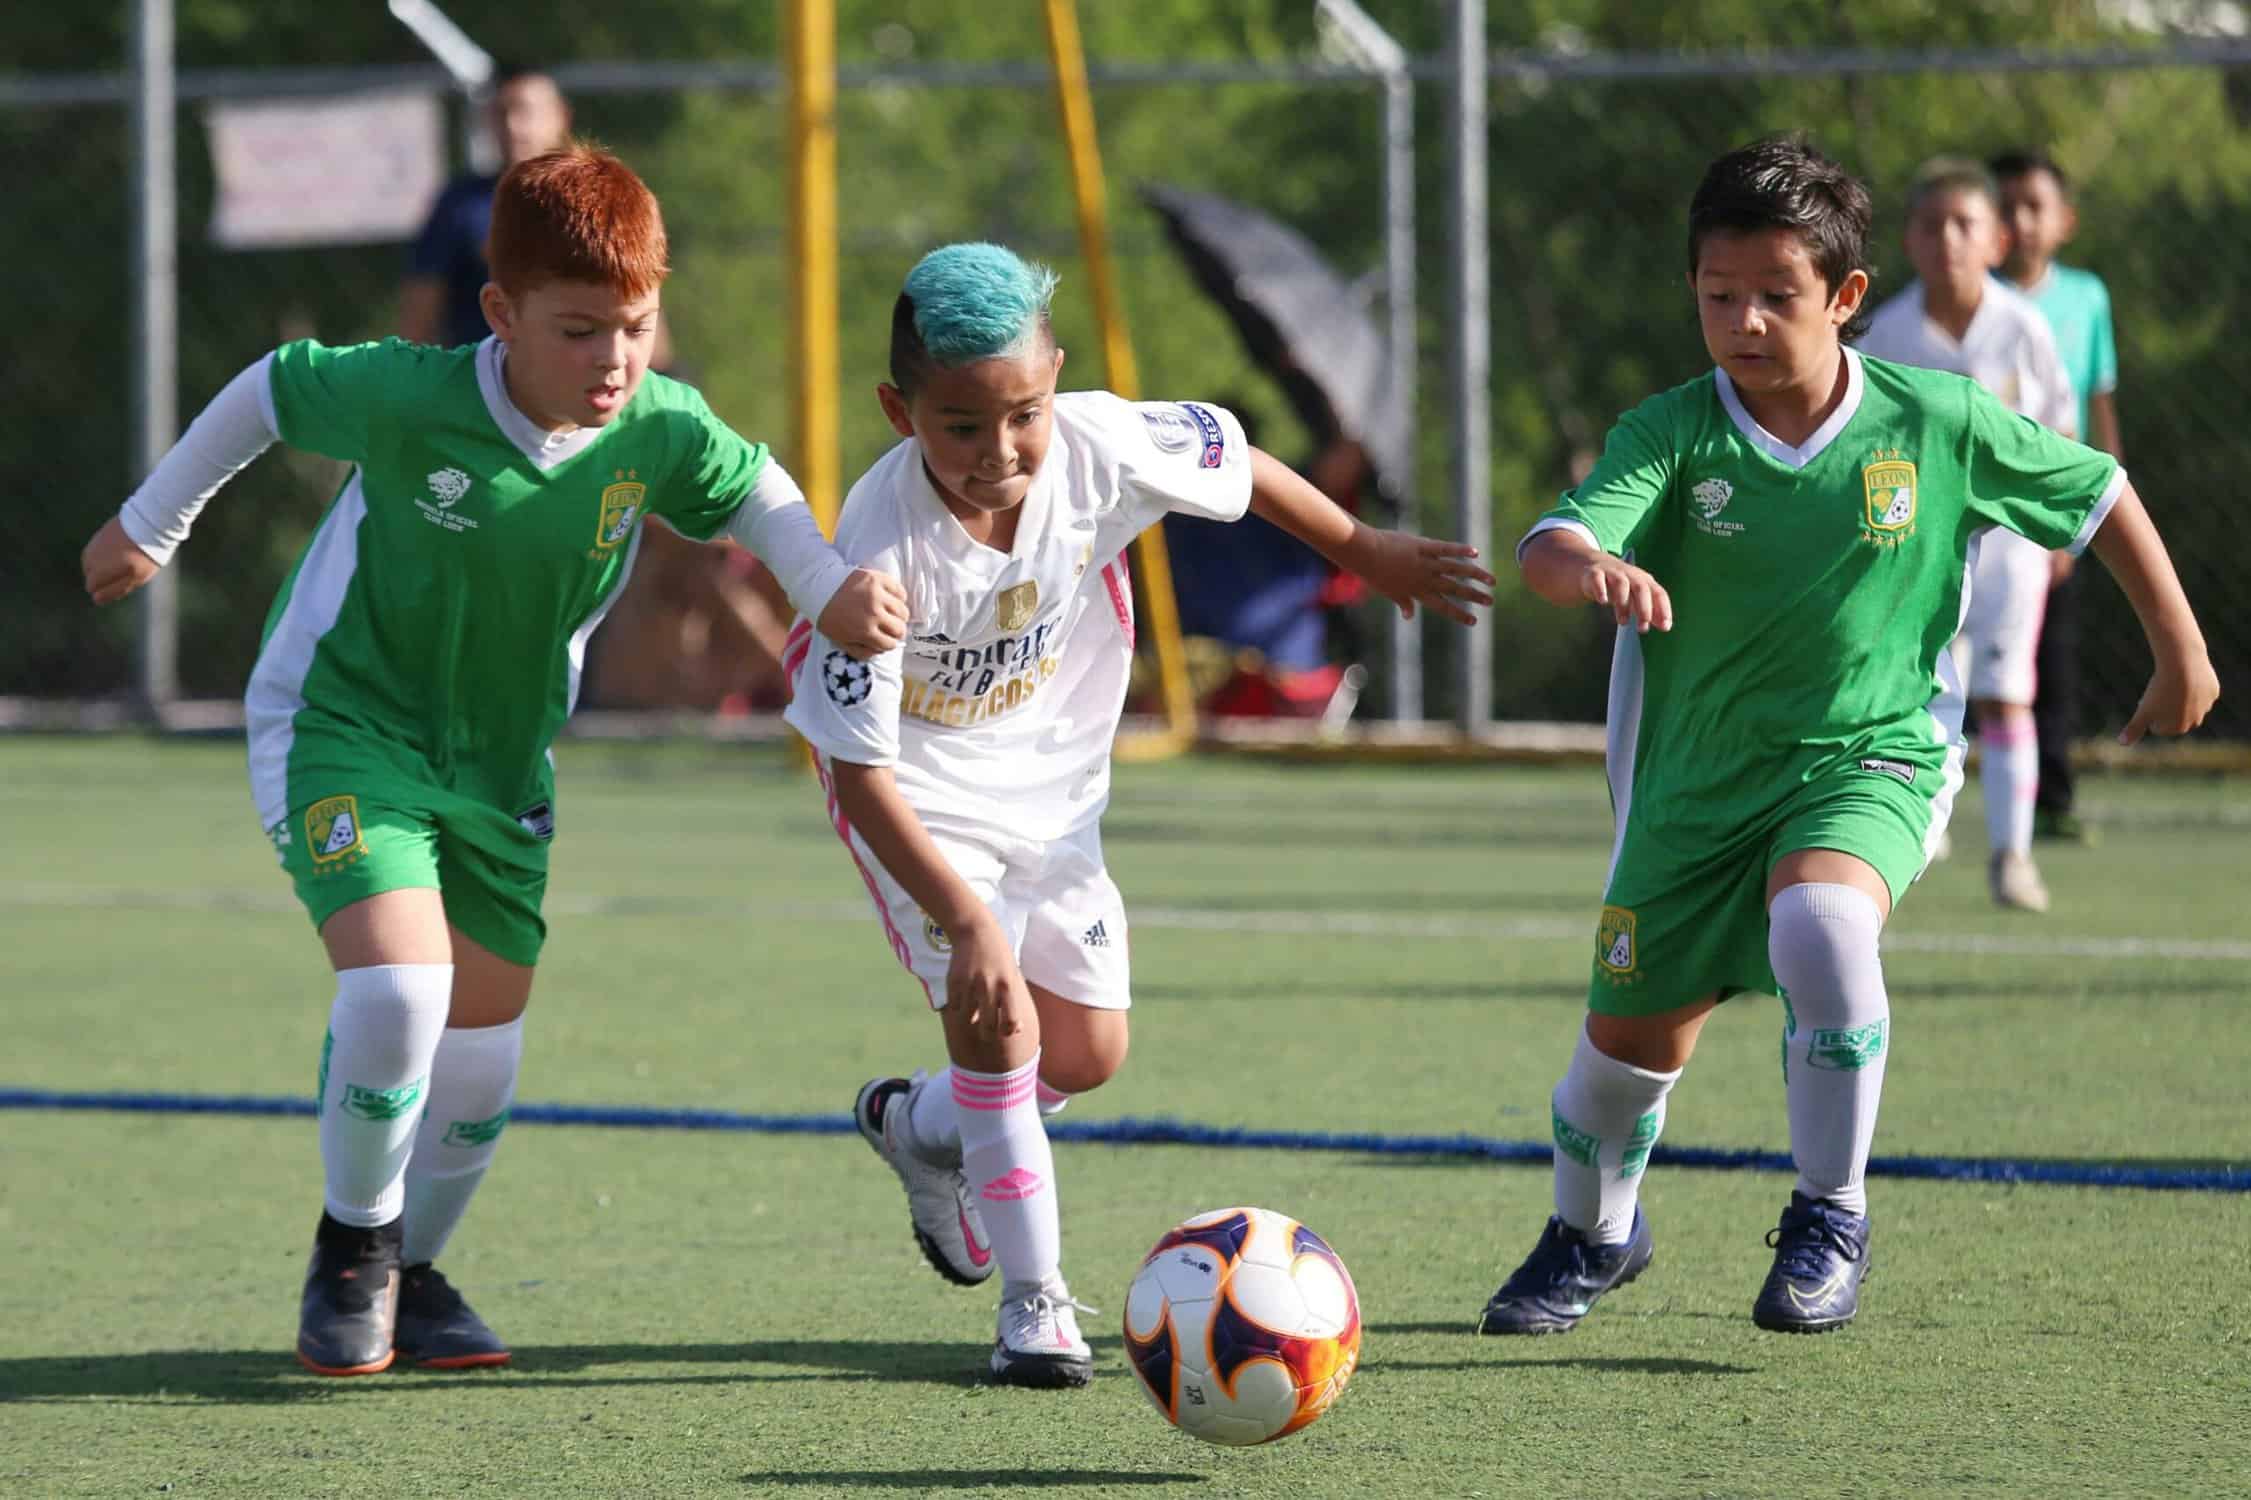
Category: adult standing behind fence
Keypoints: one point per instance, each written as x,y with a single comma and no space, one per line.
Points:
446,272
2037,203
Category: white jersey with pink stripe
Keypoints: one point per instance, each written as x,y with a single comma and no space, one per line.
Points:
1001,708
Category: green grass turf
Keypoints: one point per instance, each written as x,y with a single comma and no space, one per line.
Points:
1381,949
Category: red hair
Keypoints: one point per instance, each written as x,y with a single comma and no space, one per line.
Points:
577,214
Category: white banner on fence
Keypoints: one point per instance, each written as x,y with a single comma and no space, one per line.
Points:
352,169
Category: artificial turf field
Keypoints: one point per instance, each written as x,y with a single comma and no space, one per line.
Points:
1344,949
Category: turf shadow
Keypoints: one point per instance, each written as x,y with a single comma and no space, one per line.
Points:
1574,991
927,1481
270,1376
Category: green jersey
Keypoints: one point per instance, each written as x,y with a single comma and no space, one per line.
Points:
444,603
1814,588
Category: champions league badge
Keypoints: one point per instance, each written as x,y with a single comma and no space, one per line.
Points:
847,681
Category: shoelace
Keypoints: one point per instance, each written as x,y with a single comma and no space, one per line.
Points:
1041,1309
1807,1236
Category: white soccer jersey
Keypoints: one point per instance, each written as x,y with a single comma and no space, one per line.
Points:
2007,348
1001,708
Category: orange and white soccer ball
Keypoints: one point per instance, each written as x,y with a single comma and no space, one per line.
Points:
1243,1326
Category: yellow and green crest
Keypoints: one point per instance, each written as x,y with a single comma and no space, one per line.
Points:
332,830
621,504
1614,945
1890,486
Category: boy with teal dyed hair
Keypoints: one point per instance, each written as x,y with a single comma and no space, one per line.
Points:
1783,544
2040,205
967,773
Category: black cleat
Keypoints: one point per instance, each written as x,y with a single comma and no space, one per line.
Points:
351,1299
437,1329
1820,1257
1563,1277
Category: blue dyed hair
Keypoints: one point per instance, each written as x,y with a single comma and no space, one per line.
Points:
967,302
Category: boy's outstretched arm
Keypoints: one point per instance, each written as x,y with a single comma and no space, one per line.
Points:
133,545
1567,570
1407,570
2182,687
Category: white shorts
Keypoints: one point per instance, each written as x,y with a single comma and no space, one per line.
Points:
1054,899
2001,632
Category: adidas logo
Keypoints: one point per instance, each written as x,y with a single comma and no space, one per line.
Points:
1016,1183
1097,936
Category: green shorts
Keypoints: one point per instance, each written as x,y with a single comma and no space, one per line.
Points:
361,823
1679,924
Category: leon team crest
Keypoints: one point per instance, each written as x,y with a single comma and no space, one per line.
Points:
332,831
1890,487
1615,948
621,504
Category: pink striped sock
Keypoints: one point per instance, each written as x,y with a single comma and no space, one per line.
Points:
1005,1156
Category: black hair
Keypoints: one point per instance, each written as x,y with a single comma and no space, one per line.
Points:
1782,182
2010,165
505,73
910,358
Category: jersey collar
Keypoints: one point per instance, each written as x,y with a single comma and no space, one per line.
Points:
545,449
1822,436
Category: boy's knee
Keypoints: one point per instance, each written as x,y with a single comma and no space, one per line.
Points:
1822,944
1078,1069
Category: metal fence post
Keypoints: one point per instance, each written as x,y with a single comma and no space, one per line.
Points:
1468,256
154,272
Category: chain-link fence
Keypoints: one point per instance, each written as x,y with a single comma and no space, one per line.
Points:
1592,165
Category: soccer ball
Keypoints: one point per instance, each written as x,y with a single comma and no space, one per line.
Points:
1243,1326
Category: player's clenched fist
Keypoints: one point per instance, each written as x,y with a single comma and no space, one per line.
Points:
1633,596
868,616
113,565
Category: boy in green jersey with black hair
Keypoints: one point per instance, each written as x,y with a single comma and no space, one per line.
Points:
1783,543
416,668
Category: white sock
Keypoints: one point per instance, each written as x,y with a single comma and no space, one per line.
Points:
2010,759
932,1119
1607,1115
1005,1156
374,1071
1821,940
934,1124
472,1083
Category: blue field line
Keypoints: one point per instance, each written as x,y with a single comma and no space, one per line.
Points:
1140,1132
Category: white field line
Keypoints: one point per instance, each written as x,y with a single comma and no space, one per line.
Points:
1178,919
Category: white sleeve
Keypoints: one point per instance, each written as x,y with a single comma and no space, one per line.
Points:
235,428
2060,412
847,710
1184,456
775,523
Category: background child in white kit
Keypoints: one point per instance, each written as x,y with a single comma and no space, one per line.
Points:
1956,317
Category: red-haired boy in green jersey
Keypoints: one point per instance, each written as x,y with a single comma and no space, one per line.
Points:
1783,542
416,668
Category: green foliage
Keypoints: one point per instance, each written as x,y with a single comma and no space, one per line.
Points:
1590,178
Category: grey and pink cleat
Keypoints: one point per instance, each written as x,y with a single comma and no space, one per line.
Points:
947,1226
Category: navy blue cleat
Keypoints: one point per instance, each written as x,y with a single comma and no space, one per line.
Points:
1820,1257
1562,1278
